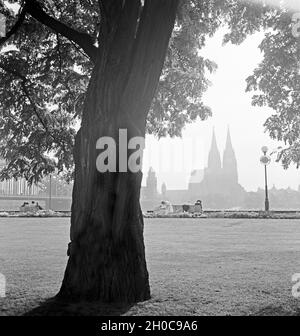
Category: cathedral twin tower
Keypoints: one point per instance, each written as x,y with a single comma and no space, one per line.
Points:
214,167
220,182
216,186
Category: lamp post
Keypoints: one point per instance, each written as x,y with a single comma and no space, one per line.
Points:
265,160
50,191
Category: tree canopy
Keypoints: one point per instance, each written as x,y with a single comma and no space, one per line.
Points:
276,81
48,54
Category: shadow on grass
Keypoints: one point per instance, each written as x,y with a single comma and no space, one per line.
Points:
278,311
55,307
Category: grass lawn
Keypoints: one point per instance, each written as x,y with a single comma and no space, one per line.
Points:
196,266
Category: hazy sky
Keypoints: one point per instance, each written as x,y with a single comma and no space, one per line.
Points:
173,159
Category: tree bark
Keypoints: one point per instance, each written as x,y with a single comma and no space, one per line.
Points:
107,253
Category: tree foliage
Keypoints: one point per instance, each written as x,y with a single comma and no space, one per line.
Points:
43,82
46,62
276,81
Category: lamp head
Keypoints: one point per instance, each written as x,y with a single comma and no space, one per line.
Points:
264,149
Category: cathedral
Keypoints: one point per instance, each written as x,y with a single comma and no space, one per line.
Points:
219,187
216,186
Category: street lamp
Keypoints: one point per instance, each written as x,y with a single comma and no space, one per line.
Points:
265,160
50,191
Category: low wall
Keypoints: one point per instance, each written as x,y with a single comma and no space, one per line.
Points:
187,208
13,203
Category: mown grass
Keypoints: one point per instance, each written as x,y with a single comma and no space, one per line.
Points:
196,266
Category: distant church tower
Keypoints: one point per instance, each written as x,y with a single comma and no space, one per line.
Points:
210,184
163,190
219,188
230,171
151,184
214,159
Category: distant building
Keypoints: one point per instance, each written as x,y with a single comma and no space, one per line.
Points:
149,194
151,185
220,188
196,178
217,186
163,190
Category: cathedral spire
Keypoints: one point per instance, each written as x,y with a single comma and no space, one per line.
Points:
228,140
214,140
229,160
214,159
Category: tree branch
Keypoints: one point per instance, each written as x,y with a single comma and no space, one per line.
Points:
25,90
16,26
33,8
84,40
12,71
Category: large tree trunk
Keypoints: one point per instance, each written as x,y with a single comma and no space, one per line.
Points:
106,253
